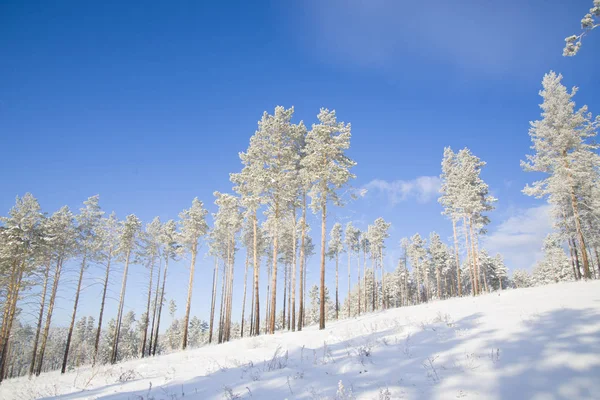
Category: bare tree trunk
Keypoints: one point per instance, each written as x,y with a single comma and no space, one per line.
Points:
323,233
358,272
474,252
70,333
222,305
160,304
294,272
244,297
252,309
349,285
285,279
586,265
469,258
267,300
213,299
52,300
97,341
9,315
40,319
302,268
186,318
458,281
577,263
374,283
147,320
289,298
438,276
273,308
383,300
256,268
417,275
155,308
115,348
365,277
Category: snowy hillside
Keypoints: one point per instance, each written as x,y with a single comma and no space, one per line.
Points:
536,343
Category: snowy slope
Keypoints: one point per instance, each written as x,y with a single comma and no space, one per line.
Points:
537,343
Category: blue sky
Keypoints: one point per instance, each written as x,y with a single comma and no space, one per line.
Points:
149,103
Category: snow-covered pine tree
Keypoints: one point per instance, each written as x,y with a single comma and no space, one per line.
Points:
127,246
563,150
328,169
88,222
108,234
193,228
62,233
170,247
150,252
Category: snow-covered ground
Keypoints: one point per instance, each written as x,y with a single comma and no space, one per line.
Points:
537,343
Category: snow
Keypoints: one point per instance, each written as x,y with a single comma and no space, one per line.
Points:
535,343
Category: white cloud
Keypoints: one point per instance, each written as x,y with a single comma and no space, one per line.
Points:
520,237
423,188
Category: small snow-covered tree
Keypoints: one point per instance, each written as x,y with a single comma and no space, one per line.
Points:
521,278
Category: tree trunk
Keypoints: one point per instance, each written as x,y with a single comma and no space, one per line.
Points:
99,331
294,272
11,307
323,233
458,281
289,298
57,272
186,318
383,300
146,321
586,265
40,319
222,305
244,297
70,333
358,272
273,308
349,285
285,278
256,266
438,277
374,283
365,277
160,304
213,300
302,268
115,349
577,263
469,258
597,260
475,253
155,308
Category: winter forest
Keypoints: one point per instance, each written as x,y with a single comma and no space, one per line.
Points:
275,218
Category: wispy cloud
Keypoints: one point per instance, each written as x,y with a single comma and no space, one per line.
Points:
422,188
519,238
468,34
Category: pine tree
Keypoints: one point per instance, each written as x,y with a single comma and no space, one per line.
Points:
89,221
563,151
127,246
150,251
193,228
62,232
328,170
109,232
170,247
